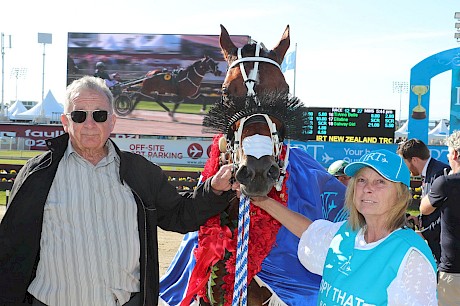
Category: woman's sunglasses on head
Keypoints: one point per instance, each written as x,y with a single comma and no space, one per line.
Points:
79,116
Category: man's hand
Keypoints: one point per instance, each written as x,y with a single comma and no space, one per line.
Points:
412,221
221,181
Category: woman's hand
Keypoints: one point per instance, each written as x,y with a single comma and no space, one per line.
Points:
262,202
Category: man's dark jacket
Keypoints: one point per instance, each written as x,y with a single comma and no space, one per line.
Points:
158,204
432,222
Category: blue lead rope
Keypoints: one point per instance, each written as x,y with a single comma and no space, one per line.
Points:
240,289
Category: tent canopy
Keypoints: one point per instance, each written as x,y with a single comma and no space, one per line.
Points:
440,131
15,109
52,110
402,131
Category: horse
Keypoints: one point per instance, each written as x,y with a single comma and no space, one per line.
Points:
177,85
254,118
248,65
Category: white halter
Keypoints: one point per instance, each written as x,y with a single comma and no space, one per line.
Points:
250,81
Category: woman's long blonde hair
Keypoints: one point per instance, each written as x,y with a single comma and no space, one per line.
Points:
396,216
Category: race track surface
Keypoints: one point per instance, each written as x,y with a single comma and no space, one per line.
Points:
141,122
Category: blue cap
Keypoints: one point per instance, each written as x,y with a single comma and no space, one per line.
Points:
388,164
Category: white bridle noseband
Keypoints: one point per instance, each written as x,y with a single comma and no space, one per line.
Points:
251,79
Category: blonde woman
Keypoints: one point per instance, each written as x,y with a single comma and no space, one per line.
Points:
372,258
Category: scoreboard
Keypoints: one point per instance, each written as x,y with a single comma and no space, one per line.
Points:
365,125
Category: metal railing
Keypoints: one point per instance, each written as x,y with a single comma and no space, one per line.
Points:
14,143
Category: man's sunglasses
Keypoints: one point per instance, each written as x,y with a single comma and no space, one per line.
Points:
79,116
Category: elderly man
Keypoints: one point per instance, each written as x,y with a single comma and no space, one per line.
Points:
444,196
81,226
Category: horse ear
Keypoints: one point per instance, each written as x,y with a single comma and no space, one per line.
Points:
283,46
226,44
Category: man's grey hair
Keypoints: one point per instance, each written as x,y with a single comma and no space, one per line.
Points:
87,82
453,141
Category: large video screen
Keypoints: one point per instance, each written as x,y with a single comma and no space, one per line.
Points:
167,63
360,125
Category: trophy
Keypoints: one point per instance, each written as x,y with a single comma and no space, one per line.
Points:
419,112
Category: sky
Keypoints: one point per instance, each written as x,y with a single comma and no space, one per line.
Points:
349,52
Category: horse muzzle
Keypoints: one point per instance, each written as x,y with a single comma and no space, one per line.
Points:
257,176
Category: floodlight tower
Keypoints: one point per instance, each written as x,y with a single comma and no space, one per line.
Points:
3,117
400,88
43,38
457,26
18,73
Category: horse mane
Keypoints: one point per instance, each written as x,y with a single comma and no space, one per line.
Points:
290,111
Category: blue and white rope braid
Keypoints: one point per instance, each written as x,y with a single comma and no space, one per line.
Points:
241,270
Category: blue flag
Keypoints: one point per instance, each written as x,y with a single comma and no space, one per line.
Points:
289,61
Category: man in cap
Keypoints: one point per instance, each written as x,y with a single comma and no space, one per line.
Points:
337,169
100,71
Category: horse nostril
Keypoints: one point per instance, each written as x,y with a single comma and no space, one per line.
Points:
244,175
273,172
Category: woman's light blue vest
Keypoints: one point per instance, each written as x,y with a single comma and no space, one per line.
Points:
361,277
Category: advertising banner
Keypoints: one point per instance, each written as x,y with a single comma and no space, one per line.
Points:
182,152
327,152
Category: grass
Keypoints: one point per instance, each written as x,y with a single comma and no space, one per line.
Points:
2,198
14,157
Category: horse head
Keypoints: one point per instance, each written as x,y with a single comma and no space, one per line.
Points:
253,69
213,66
254,73
256,158
208,65
254,132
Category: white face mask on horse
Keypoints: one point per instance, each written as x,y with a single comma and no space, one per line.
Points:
254,147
